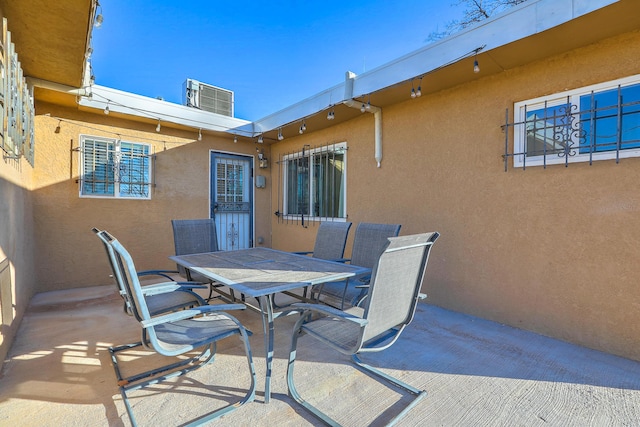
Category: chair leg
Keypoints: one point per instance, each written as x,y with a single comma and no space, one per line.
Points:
295,395
293,391
419,394
182,367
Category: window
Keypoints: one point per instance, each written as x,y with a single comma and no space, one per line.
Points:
114,168
314,182
592,123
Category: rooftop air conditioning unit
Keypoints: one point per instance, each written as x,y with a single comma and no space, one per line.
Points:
208,98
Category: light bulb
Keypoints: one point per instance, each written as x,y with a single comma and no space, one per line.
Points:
260,139
99,20
419,91
413,93
235,139
106,109
200,135
368,107
304,126
301,131
158,127
476,67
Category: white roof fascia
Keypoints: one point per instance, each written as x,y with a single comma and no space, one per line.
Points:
302,109
518,22
168,112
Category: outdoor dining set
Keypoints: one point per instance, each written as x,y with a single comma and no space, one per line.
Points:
356,305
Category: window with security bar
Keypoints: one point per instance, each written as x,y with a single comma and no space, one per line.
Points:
592,123
314,183
115,168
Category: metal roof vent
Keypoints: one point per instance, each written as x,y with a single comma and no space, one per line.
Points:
208,98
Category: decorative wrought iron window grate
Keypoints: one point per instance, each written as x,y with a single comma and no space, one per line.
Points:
312,184
114,168
600,123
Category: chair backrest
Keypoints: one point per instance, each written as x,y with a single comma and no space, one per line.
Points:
395,284
194,236
331,240
125,274
105,237
370,241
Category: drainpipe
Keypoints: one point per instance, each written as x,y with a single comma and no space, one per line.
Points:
46,84
377,114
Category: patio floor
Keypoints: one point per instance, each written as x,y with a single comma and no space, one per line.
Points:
475,371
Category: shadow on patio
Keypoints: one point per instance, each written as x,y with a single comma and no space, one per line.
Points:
475,371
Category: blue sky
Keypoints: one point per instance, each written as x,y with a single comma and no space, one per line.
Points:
270,53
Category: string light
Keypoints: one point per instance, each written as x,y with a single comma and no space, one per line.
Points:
99,17
280,136
331,114
363,108
106,109
303,127
476,66
419,91
413,90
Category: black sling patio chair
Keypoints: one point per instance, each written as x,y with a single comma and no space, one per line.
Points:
184,332
393,295
369,242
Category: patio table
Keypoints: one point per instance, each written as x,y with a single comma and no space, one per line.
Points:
261,273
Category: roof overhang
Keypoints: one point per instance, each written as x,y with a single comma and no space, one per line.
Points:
51,37
528,32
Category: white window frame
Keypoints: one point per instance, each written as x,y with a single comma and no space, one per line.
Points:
573,97
342,146
117,143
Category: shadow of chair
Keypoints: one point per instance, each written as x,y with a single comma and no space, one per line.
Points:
393,295
174,334
369,242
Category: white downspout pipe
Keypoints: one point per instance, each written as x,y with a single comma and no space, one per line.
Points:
46,84
377,114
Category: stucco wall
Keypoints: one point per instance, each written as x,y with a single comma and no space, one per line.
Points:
68,252
17,263
553,251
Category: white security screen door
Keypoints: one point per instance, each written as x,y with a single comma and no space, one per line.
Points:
231,200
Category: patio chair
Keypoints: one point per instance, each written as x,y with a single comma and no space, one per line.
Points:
193,236
369,242
176,334
331,239
393,296
161,297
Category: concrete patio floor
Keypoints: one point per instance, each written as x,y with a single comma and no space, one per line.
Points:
476,372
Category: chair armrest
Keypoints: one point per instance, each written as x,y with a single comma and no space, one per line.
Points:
189,314
163,273
163,288
303,253
329,311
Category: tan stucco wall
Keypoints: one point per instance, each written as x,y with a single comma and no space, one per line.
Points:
68,252
553,251
17,265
